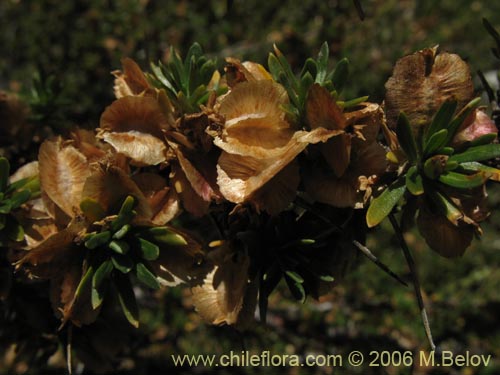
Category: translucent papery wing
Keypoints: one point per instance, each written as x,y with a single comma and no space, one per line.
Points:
195,178
131,81
163,200
143,149
322,110
279,192
109,186
181,264
63,171
442,236
240,175
324,186
219,300
190,199
421,82
134,113
257,98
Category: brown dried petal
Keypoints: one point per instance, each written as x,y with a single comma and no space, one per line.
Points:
195,178
325,187
63,171
276,195
182,264
442,236
322,110
131,81
421,82
239,176
139,113
191,200
220,299
162,199
143,149
254,115
109,186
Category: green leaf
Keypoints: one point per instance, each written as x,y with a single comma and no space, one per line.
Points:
127,299
127,206
327,278
311,67
125,215
473,166
382,206
446,207
463,181
435,142
122,263
149,250
322,61
353,102
451,165
5,207
454,125
295,276
340,74
414,181
19,198
296,288
14,230
435,166
98,239
145,276
102,273
98,288
445,151
442,118
161,77
307,241
405,137
274,66
166,236
477,153
122,232
84,281
92,209
120,247
483,140
3,221
268,282
4,173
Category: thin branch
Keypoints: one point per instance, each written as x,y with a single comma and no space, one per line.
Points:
415,280
377,262
359,9
69,359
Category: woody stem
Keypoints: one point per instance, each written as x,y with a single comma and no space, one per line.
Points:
414,277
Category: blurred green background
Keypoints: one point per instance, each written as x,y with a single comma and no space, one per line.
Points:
81,41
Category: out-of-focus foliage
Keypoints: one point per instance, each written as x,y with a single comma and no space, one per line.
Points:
80,40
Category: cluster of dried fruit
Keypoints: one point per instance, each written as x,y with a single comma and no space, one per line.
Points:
230,183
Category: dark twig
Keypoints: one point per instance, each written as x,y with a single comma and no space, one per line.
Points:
69,359
359,9
415,280
377,262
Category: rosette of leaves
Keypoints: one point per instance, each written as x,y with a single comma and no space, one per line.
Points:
440,178
12,196
188,83
313,71
119,251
